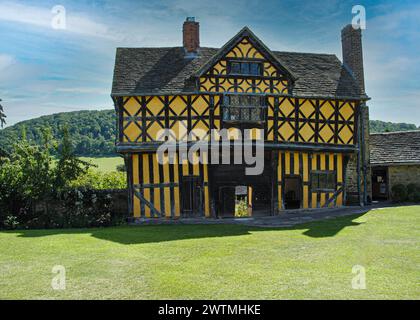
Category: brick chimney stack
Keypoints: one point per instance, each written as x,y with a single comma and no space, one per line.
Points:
191,37
351,40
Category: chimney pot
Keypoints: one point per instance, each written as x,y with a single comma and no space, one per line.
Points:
191,37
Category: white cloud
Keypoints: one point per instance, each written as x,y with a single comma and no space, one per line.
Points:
6,61
83,90
42,16
15,12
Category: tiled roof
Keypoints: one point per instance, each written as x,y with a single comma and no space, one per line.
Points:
395,148
165,70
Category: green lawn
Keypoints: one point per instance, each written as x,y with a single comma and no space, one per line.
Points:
311,260
105,164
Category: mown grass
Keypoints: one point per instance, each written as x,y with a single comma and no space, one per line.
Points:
104,164
308,261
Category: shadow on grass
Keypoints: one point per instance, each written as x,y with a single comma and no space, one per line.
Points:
162,233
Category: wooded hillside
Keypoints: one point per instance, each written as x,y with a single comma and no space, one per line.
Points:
93,132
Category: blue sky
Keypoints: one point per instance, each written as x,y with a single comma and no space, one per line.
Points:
45,70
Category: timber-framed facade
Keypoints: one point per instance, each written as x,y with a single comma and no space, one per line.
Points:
308,106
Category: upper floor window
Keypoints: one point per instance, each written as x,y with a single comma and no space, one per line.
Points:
243,108
323,181
245,68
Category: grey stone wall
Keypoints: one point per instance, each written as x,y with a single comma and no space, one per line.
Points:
119,202
403,174
352,195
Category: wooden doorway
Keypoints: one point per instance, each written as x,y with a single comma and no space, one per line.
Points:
379,184
226,201
191,196
235,201
292,192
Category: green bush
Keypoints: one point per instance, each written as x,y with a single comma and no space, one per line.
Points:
37,192
412,187
413,192
414,197
121,168
94,179
11,222
241,209
86,208
73,208
399,193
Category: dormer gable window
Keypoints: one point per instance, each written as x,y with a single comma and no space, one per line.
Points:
245,68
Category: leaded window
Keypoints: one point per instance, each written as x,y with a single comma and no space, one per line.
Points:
323,181
245,68
244,108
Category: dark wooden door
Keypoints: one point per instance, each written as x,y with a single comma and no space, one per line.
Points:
227,201
292,192
191,196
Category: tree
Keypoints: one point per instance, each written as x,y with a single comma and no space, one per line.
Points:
2,116
25,177
69,167
92,132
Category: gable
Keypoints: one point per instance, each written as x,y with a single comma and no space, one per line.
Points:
217,75
247,52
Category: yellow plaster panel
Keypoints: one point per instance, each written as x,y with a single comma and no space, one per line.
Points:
327,110
178,106
131,107
136,200
306,109
306,133
287,131
146,180
287,108
347,112
132,131
155,106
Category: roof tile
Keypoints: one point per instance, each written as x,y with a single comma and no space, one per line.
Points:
166,70
394,147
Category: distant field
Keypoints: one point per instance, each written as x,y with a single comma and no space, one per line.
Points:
105,164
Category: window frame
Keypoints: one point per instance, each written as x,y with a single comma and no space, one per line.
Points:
242,62
327,174
262,108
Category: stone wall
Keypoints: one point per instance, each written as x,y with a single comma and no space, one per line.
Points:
352,196
367,168
119,202
403,174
